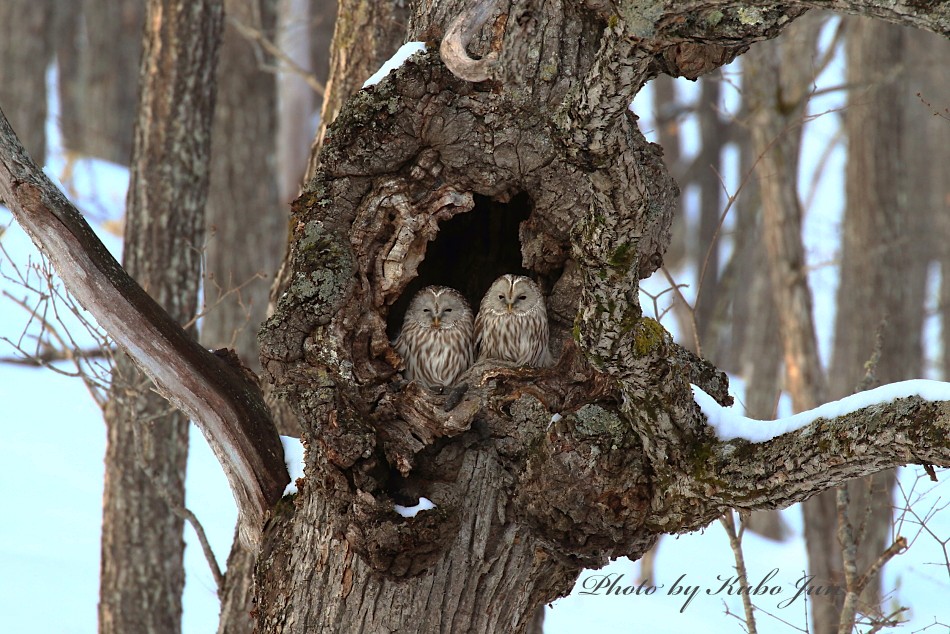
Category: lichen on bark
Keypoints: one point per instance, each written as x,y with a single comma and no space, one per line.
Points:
516,489
404,158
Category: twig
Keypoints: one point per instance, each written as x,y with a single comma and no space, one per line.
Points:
820,170
657,313
192,519
855,585
256,36
890,620
51,355
728,522
179,509
690,309
849,555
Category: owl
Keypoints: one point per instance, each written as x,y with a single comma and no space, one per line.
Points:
512,323
436,338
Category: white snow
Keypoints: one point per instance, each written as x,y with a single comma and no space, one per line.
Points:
52,442
424,504
293,458
405,51
729,424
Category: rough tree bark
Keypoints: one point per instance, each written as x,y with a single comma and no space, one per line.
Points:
426,157
523,501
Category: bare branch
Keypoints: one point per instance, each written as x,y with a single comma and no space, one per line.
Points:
51,355
255,35
826,453
690,309
849,553
226,406
728,522
935,18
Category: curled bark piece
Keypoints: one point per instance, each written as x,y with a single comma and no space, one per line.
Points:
457,37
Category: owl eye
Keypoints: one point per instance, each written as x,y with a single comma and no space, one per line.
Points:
426,310
501,297
522,297
448,310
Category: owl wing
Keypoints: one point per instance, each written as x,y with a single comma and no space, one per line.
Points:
401,342
479,325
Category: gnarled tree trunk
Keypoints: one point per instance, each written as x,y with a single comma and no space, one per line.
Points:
531,162
533,165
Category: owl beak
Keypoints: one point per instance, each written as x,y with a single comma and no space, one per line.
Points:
510,308
436,322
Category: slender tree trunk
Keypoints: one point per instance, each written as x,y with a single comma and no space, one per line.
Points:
98,48
782,93
666,108
26,28
754,317
297,100
931,78
885,253
780,78
142,575
322,25
754,336
67,17
109,66
247,227
708,179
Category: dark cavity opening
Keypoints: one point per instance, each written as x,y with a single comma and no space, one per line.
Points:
470,251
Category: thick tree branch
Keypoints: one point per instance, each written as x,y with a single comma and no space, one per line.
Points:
671,16
225,404
826,453
689,39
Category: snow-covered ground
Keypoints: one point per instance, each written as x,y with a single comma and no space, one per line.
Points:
52,444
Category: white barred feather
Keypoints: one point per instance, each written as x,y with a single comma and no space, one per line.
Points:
512,323
436,339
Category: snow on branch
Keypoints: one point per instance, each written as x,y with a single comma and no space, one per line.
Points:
793,458
227,406
729,424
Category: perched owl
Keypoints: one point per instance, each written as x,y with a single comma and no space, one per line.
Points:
512,323
436,339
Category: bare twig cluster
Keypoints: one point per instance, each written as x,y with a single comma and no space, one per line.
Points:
52,327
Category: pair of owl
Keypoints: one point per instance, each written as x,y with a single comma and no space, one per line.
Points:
439,337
